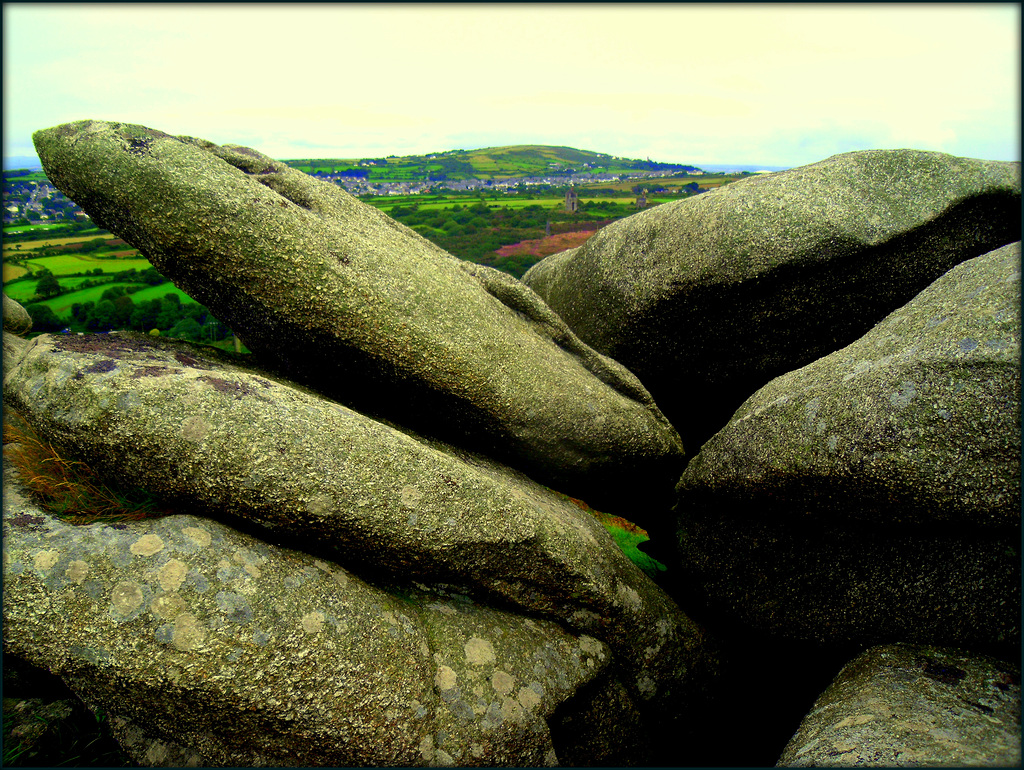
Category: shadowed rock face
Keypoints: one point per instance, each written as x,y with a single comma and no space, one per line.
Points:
344,299
907,705
875,493
707,299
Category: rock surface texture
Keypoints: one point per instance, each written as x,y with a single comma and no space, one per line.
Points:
875,494
252,654
708,298
914,706
17,323
205,435
201,434
356,548
346,300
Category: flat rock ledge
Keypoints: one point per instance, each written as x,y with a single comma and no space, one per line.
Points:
198,432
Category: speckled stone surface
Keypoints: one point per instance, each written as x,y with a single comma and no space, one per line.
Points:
201,433
874,495
345,299
914,706
246,653
708,298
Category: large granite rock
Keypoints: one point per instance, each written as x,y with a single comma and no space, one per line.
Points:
905,705
17,321
707,299
239,652
348,301
875,495
200,433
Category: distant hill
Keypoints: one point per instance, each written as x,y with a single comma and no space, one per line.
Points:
496,163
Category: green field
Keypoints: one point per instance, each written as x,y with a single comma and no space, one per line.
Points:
23,291
67,264
61,305
157,292
12,230
515,202
34,176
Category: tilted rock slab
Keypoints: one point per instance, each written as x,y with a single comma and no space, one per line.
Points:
874,495
184,424
706,299
905,705
348,301
236,652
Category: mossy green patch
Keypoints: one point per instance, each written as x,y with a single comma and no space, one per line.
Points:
627,536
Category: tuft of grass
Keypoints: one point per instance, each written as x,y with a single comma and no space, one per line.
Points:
79,739
70,489
627,536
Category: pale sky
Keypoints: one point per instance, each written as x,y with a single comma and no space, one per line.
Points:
771,84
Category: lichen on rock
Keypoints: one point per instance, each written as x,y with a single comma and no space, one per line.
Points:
344,299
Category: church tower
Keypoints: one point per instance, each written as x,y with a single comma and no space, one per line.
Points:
572,201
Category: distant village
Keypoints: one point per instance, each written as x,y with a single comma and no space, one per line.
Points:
361,186
39,202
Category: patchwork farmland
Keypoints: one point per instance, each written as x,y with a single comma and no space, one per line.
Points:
73,276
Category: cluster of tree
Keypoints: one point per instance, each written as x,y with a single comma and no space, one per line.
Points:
48,285
117,311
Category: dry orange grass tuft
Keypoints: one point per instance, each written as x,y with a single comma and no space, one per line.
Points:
70,489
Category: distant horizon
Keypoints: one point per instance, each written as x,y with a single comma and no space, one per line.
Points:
32,162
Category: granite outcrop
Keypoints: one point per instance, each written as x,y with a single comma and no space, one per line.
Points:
358,545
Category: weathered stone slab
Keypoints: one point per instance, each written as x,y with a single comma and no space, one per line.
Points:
239,652
708,298
200,433
913,706
348,301
874,495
